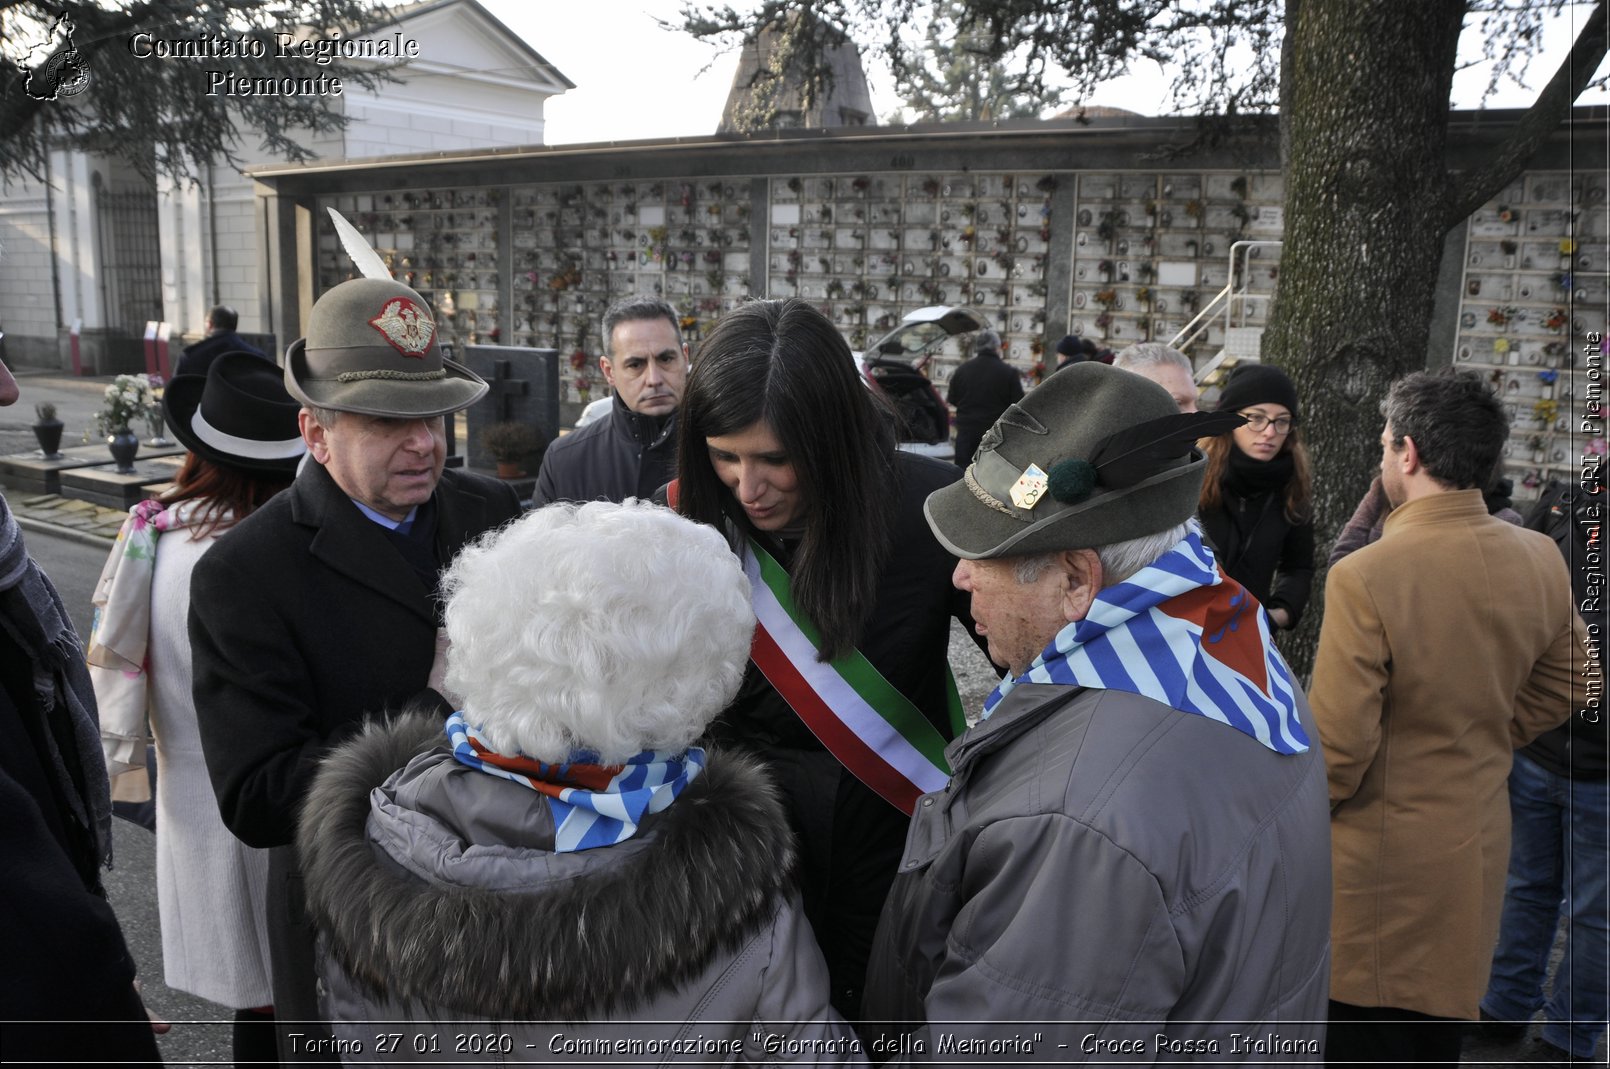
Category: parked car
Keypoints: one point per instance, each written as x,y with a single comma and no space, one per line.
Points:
893,367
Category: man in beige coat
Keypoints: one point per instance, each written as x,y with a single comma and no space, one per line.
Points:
1445,645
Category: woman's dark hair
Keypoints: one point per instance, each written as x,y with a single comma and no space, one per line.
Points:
783,363
230,494
1298,498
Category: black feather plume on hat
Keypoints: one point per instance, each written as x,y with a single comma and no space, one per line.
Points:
1136,453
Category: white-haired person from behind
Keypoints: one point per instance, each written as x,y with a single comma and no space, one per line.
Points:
558,848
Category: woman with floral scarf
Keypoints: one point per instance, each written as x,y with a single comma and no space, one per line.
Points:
240,425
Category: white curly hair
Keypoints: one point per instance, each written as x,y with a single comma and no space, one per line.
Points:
602,627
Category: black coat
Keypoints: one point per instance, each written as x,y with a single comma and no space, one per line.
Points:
303,619
198,358
1263,551
623,455
980,390
1568,514
66,962
850,838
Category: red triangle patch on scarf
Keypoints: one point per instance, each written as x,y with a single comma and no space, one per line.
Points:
1229,633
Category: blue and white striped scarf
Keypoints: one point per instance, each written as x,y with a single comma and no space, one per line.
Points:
591,804
1182,633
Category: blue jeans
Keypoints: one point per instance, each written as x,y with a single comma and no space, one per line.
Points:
1557,851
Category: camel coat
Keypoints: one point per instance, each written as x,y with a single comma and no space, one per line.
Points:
1445,645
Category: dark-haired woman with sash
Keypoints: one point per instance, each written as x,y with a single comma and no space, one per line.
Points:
848,695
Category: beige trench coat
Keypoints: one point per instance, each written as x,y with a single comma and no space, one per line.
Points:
1445,645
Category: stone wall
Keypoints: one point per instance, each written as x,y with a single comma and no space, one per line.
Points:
27,284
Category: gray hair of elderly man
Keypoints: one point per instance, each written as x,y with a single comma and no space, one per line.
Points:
986,341
1119,561
1151,354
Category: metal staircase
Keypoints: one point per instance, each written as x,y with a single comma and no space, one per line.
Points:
1242,339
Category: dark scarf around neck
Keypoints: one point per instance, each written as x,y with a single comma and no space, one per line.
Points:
1247,477
33,617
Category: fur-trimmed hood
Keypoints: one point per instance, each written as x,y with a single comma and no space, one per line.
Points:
636,919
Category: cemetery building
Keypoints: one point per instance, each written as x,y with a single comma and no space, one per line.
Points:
98,244
1075,227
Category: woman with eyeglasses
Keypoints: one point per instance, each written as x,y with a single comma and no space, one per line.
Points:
1256,502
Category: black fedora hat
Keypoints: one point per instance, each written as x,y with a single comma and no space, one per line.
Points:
238,414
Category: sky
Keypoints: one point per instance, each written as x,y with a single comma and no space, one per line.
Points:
635,80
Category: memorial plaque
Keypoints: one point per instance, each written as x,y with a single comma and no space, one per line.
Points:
525,389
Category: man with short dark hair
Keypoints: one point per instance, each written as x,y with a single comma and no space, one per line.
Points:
320,608
632,451
1445,645
980,390
1129,862
221,338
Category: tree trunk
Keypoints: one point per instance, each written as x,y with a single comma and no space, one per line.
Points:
1365,216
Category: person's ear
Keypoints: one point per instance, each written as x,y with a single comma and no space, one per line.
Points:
1410,456
1083,571
607,369
314,436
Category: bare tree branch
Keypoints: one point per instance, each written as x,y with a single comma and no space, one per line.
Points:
1474,188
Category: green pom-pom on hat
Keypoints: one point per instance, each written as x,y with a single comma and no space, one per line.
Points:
1072,480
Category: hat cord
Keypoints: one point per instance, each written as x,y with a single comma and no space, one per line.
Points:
984,495
386,373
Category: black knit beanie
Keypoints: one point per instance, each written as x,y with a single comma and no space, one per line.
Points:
1071,345
1256,384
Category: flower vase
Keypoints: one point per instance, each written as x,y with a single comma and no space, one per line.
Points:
48,433
157,425
124,445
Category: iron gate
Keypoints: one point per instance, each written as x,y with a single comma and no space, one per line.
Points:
131,258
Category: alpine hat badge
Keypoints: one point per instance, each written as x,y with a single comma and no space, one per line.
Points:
406,325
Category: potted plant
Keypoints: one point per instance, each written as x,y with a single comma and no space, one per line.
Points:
510,444
128,397
47,429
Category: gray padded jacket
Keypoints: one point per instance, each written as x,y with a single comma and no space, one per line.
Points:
1107,879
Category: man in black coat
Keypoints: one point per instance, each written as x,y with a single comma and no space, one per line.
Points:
221,338
320,608
632,451
980,390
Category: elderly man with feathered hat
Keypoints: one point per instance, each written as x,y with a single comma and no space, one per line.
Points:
1131,859
321,605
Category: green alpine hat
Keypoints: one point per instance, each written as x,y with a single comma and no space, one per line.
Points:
1092,456
371,347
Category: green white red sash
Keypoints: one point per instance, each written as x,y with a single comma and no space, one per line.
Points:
873,729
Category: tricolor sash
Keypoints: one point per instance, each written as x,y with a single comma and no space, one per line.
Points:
873,729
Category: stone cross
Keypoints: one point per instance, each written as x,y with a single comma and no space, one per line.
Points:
505,389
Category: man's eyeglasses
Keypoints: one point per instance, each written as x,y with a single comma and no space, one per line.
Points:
1258,421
